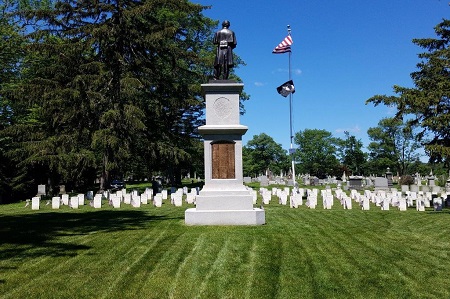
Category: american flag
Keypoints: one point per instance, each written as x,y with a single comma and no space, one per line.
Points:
284,46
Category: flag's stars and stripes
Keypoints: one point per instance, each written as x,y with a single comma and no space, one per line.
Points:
284,46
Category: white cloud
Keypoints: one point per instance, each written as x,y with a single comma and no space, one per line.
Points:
280,70
259,84
355,129
294,71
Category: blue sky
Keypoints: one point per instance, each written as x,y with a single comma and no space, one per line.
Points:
344,52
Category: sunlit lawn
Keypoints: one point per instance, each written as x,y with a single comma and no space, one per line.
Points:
148,252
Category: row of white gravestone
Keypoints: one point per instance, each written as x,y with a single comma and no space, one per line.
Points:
115,199
381,198
294,196
401,201
134,198
56,201
267,194
281,194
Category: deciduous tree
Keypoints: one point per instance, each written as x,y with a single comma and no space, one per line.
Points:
316,152
262,154
351,155
392,145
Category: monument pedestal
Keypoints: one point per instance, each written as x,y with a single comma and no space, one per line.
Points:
224,200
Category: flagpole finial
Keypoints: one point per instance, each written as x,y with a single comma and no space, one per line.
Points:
289,29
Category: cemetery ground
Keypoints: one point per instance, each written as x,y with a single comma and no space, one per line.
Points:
149,252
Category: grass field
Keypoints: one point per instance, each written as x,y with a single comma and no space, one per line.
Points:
149,253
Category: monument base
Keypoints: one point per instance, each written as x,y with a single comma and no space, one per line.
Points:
224,217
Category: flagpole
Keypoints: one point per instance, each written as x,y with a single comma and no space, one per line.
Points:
291,151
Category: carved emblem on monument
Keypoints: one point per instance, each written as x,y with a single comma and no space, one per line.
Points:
222,107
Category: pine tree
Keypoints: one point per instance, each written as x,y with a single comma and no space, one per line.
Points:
111,81
427,105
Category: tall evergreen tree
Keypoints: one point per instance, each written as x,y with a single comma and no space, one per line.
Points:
110,81
11,54
427,105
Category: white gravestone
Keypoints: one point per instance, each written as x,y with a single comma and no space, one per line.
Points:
178,200
157,200
97,201
385,204
266,197
74,202
35,201
135,201
65,199
127,198
283,198
80,199
56,201
402,204
144,198
365,204
120,195
254,196
296,200
347,203
190,197
115,200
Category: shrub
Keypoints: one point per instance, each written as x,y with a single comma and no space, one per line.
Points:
406,180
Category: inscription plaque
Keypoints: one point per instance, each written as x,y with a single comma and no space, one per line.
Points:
223,160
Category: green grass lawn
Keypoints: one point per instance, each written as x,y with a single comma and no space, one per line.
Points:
149,253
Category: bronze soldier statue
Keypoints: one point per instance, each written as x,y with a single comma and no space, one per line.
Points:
226,42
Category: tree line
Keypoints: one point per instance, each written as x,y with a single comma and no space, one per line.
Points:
101,90
320,154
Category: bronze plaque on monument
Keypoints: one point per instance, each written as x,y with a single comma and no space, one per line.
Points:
223,160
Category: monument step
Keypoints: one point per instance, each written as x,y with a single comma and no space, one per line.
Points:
224,202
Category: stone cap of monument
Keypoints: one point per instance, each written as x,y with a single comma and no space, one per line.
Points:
222,129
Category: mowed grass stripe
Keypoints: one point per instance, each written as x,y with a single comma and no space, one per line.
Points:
33,274
229,273
80,275
299,253
196,265
335,235
136,252
251,273
151,277
169,278
332,254
86,276
178,279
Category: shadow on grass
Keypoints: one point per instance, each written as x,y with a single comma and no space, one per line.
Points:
37,234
